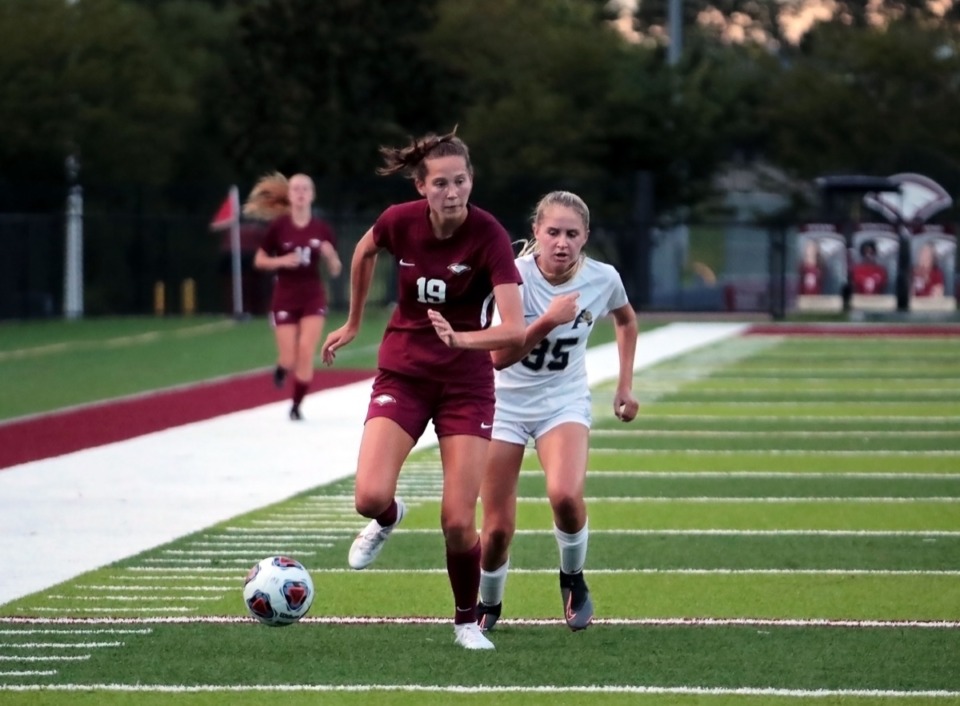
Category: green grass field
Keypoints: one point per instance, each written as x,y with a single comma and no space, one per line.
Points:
781,525
50,365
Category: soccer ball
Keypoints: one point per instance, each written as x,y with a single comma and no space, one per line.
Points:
278,591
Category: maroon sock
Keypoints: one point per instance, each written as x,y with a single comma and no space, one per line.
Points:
299,392
463,569
388,516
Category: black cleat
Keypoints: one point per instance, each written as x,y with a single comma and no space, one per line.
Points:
487,615
279,376
577,604
295,415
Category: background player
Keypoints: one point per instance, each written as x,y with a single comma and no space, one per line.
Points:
292,248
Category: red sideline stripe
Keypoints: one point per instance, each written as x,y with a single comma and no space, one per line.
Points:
853,330
59,433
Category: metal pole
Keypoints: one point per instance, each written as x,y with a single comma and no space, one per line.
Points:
73,250
675,21
235,252
73,259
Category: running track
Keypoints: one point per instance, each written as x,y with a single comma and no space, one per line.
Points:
88,426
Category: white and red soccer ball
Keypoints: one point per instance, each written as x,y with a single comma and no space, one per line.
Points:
278,591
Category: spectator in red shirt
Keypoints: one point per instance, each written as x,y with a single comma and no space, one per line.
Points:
868,275
927,275
811,269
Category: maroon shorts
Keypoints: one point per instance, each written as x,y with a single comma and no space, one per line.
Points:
283,311
460,407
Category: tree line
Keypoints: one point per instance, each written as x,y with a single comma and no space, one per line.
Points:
165,102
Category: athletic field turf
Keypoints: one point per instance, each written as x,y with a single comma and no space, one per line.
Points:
781,525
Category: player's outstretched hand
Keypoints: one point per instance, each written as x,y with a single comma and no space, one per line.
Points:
625,406
563,308
443,328
335,340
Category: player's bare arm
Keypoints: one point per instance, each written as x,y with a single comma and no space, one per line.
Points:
329,253
563,309
361,274
262,261
625,405
509,332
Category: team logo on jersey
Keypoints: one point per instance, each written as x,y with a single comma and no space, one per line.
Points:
458,269
384,400
314,242
583,317
288,246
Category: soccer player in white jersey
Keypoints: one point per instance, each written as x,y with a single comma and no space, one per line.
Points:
542,393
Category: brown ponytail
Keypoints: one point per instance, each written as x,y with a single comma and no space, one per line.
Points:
268,198
409,160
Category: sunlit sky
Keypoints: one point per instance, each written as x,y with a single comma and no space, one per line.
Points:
796,19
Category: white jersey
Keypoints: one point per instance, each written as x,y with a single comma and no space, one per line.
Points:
554,374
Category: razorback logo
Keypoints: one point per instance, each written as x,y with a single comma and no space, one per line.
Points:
583,317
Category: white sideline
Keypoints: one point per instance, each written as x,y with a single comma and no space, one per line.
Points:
63,516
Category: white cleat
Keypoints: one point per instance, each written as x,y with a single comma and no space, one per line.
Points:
470,636
371,539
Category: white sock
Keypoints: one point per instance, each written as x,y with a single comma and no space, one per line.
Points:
492,584
573,548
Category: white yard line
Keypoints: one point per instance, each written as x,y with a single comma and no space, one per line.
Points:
86,509
817,694
120,593
424,620
116,342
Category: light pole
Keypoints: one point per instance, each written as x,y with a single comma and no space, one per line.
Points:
73,246
675,22
73,257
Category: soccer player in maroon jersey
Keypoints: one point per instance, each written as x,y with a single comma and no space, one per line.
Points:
292,248
453,259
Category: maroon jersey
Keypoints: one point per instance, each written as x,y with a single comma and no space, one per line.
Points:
811,279
924,282
869,278
292,286
455,276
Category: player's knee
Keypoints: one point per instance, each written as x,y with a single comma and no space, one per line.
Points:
371,503
306,352
458,528
497,537
566,504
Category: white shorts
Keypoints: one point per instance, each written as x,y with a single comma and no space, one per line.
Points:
520,432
